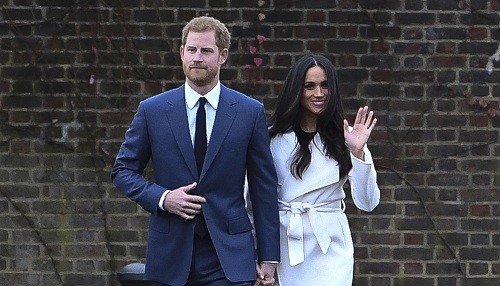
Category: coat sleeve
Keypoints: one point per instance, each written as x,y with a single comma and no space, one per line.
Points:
262,191
363,179
132,158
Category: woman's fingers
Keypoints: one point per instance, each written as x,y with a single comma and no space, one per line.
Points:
358,116
363,117
373,124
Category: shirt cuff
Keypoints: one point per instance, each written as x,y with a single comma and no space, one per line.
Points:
162,199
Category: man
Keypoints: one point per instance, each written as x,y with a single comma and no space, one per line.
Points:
199,231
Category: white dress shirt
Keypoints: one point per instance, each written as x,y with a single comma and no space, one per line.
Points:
192,102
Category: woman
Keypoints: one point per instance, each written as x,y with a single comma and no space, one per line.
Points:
315,152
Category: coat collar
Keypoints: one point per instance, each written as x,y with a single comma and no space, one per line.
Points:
322,171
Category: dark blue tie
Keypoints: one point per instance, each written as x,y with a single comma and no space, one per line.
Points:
200,148
200,136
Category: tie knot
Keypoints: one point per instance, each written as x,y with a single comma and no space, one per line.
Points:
202,101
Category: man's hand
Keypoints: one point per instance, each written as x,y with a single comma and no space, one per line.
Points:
265,274
183,204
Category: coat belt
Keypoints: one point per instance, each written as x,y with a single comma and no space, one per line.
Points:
295,229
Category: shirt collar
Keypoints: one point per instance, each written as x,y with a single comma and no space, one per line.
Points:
192,96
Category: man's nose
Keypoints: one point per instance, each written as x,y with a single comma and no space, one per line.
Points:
198,57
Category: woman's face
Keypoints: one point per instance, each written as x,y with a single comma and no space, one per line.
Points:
315,92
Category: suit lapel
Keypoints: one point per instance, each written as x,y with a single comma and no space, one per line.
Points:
177,118
224,118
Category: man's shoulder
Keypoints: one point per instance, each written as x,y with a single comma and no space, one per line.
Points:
240,97
161,98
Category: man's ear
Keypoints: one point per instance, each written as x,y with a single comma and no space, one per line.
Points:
223,56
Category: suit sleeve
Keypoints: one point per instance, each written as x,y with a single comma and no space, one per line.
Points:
132,158
262,190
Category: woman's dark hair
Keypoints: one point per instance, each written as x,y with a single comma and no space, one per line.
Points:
288,113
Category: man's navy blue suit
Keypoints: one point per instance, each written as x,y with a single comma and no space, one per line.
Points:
238,146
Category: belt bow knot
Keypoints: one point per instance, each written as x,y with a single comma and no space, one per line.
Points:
295,230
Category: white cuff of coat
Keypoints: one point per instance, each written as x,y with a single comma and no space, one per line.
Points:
368,157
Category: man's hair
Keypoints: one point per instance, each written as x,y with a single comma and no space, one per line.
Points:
205,23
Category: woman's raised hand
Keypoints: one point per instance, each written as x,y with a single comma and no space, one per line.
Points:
357,137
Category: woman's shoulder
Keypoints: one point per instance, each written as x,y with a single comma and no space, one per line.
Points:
284,137
283,141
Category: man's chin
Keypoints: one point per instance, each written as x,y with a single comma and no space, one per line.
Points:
199,82
198,77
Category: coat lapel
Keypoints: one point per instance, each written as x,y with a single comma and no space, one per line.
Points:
224,118
177,118
322,171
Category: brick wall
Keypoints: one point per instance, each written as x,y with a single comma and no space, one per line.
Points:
72,73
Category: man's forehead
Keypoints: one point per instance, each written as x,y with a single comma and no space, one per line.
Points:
208,36
200,45
201,40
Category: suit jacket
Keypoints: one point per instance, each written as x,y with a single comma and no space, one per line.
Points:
239,146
